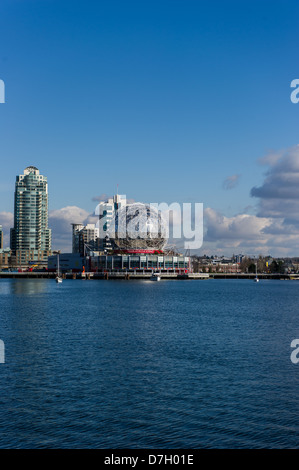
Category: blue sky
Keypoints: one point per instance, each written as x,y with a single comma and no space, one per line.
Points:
171,100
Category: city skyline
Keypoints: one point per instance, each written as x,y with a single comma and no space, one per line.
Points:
105,207
172,101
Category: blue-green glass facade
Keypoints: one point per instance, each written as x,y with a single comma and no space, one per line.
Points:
31,233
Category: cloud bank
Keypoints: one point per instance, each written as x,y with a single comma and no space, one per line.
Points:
275,227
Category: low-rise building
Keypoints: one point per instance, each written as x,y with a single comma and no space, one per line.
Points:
143,262
68,262
85,238
5,258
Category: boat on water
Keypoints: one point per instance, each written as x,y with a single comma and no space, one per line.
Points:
256,279
155,277
58,276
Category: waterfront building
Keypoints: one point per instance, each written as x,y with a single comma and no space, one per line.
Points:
136,245
106,211
94,237
85,238
76,229
68,262
120,263
29,258
238,258
5,258
139,263
30,238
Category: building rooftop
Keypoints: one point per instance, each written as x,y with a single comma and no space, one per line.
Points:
31,169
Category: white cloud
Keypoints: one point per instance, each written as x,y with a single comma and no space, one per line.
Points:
6,220
279,199
60,221
275,227
234,232
271,158
231,182
101,198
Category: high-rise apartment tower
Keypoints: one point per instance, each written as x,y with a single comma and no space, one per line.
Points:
30,239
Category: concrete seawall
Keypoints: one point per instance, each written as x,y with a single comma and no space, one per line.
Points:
138,275
103,275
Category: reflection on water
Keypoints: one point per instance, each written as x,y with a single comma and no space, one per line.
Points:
27,286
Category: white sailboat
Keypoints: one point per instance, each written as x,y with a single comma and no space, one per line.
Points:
256,279
58,277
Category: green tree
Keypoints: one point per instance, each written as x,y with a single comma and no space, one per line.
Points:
252,268
276,266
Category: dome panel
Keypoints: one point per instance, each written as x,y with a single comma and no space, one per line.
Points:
138,227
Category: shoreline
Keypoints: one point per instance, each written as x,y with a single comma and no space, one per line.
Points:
142,276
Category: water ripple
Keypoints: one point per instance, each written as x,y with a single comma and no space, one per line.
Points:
125,365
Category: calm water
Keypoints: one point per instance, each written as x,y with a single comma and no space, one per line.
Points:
137,364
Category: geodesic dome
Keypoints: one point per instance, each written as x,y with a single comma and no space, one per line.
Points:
138,227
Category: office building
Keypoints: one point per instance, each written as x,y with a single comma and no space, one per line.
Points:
85,238
76,230
106,211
